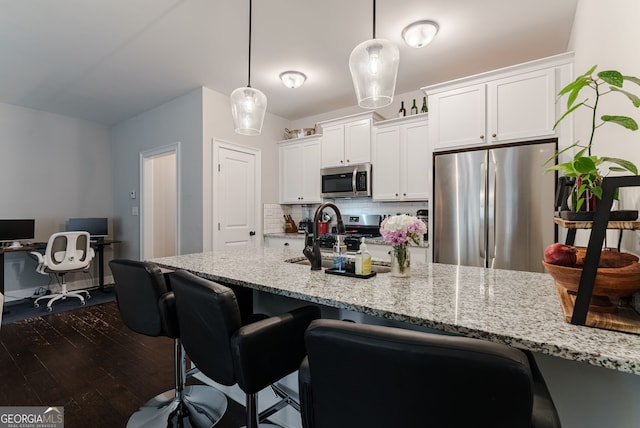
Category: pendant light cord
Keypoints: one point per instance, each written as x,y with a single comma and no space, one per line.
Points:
249,76
374,19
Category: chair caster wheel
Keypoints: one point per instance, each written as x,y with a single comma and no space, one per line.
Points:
50,308
36,305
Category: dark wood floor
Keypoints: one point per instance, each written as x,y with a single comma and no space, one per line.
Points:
87,361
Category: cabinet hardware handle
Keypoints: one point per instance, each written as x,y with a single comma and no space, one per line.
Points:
252,233
404,194
493,135
341,161
482,137
347,160
396,194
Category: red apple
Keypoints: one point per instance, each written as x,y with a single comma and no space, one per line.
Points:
560,254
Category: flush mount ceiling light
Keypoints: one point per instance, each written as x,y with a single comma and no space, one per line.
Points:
293,79
374,68
420,33
248,105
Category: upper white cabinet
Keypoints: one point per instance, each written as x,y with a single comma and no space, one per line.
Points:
300,170
347,140
402,160
510,104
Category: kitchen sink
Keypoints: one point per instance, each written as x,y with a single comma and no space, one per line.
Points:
376,266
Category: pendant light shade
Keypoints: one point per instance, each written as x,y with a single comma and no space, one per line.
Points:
248,105
374,68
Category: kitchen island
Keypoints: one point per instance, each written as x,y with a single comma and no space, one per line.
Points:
521,309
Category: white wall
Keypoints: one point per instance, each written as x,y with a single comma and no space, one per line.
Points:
53,167
192,119
606,35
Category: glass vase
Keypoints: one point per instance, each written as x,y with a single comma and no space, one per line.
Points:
400,262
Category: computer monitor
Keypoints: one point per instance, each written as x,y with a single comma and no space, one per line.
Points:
98,227
17,230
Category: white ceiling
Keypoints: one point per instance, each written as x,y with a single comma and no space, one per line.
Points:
108,60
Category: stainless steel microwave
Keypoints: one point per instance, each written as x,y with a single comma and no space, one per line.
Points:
346,181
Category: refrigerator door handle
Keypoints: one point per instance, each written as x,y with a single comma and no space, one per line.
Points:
483,190
491,213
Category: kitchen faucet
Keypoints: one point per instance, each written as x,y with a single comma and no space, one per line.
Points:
313,253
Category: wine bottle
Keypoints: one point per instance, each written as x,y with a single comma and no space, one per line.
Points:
424,109
402,112
414,107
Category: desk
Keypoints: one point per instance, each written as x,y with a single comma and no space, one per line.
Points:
98,246
10,250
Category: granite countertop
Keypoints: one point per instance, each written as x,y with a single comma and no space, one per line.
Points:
521,309
375,241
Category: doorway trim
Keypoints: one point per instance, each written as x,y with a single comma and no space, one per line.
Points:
148,154
210,215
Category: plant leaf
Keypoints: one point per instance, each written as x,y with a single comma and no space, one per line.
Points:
556,155
624,121
612,77
567,113
567,169
579,83
624,164
597,190
634,98
632,79
584,165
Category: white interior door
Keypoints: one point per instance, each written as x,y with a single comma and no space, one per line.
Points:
237,197
159,202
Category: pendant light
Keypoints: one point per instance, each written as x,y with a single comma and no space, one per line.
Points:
248,104
374,68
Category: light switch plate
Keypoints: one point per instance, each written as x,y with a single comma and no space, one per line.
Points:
134,211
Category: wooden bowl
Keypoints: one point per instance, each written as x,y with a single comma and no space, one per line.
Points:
610,282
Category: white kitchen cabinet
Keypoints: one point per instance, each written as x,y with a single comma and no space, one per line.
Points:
347,141
402,160
513,104
299,174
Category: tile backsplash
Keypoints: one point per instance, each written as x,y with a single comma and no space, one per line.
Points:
274,221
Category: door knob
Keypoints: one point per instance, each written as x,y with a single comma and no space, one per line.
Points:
252,233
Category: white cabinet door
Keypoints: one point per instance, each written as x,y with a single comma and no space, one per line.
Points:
521,106
386,164
300,172
310,173
333,146
457,117
402,162
416,171
290,172
357,147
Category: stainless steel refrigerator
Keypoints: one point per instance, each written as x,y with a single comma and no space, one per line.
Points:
494,207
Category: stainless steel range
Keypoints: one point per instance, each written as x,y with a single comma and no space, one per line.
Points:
357,226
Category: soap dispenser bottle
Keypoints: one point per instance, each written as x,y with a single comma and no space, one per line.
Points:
337,254
363,260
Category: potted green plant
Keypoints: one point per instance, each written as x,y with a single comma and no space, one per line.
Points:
585,168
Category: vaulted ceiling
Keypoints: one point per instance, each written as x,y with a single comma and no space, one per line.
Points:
108,60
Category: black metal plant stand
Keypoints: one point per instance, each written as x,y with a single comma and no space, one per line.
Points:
596,239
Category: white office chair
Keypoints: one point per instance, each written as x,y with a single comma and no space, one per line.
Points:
66,252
